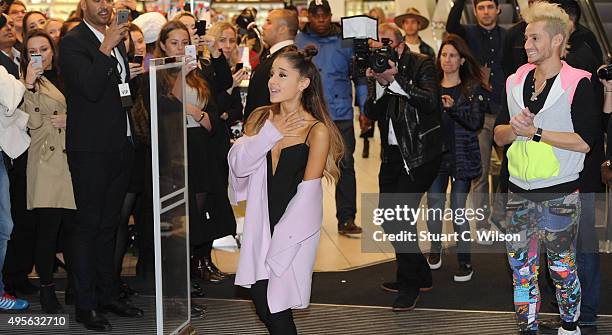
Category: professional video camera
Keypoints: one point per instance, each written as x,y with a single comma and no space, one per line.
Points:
360,29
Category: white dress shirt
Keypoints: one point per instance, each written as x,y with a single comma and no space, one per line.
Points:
120,65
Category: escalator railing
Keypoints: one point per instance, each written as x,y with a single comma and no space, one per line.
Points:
591,19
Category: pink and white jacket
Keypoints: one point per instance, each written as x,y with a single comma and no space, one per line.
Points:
287,258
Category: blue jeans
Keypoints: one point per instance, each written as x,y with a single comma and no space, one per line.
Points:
587,259
436,199
6,222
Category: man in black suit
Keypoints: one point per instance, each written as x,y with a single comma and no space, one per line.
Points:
100,151
278,32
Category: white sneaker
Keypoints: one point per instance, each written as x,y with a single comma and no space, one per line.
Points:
562,331
483,232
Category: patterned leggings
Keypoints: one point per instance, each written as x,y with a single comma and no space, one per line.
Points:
554,222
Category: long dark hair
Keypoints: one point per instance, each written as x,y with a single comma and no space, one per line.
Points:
25,27
313,102
470,72
193,78
132,48
25,56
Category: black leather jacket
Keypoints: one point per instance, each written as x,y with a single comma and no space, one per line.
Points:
417,118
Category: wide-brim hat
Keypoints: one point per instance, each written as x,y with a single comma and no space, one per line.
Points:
415,14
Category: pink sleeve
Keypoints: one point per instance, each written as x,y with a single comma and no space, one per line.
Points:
249,151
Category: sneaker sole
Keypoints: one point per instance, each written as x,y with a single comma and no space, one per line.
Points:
406,309
463,279
435,266
390,290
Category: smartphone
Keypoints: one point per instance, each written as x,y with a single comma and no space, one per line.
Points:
138,59
122,16
190,50
201,27
238,67
36,61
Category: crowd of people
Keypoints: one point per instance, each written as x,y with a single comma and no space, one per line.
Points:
76,146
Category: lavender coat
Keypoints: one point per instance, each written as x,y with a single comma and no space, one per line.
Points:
287,258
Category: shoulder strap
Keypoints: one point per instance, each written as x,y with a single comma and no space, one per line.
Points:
309,130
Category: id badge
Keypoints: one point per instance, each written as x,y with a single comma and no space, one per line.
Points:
126,96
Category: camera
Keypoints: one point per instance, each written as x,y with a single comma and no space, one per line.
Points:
375,58
245,18
379,57
605,73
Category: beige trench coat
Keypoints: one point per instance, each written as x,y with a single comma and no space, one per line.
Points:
48,176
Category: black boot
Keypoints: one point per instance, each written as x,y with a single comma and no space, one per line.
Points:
48,300
366,148
208,273
215,269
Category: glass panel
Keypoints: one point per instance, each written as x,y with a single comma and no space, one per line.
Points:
168,143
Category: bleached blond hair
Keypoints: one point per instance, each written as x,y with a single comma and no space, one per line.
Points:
557,20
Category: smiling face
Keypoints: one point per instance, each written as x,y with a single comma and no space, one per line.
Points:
97,12
17,12
539,45
40,45
36,21
175,44
7,34
285,82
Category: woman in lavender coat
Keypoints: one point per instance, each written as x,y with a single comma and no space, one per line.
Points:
277,168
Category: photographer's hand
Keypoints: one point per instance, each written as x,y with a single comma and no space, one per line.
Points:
385,78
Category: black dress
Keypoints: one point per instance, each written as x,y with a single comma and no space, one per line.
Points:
283,184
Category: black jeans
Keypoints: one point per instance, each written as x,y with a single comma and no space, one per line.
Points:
49,222
346,189
100,182
412,269
280,323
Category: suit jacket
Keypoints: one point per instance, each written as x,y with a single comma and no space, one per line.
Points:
257,93
287,257
96,119
9,65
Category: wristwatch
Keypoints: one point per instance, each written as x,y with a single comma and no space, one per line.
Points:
537,136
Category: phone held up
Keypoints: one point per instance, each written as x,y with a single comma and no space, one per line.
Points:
201,27
122,16
190,50
239,67
36,61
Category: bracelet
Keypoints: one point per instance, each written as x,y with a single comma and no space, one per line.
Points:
608,91
202,116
